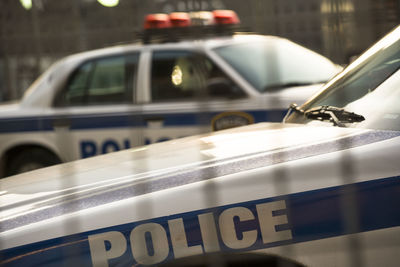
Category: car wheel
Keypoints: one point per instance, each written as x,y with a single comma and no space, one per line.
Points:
31,159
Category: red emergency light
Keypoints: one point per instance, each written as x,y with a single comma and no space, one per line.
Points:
184,19
224,17
157,21
177,26
180,19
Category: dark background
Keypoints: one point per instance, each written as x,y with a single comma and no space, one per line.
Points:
30,40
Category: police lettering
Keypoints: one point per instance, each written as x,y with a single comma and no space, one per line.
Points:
90,148
149,242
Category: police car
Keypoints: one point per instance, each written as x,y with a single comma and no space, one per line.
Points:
321,189
178,82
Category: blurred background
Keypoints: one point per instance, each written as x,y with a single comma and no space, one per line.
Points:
36,33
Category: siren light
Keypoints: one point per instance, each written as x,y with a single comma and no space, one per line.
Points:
180,19
202,18
157,21
225,17
183,19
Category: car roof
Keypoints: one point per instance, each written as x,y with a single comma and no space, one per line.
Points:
207,43
70,62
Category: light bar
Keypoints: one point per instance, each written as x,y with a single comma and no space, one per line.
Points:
184,19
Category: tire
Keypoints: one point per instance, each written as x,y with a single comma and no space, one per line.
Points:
30,159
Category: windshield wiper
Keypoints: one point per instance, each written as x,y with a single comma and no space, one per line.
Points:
338,116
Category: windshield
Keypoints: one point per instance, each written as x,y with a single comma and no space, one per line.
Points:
370,87
271,64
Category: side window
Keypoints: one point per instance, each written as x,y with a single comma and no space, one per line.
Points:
101,82
184,75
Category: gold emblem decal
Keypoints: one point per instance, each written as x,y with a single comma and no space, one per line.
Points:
231,119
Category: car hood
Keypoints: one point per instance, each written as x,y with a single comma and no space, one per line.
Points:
174,163
8,108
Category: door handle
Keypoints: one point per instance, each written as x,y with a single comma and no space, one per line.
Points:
154,122
154,119
61,122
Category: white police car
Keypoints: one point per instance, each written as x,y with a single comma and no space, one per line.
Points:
306,191
124,96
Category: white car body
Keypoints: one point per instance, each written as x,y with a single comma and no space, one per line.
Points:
271,188
72,132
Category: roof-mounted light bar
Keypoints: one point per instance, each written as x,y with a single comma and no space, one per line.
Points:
184,19
178,26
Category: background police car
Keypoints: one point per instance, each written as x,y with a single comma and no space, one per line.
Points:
115,98
321,195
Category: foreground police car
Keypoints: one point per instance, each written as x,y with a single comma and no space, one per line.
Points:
307,191
116,98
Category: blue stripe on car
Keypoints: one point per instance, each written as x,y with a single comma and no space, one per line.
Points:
118,120
201,171
312,215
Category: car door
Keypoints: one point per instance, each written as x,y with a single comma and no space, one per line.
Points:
190,94
94,111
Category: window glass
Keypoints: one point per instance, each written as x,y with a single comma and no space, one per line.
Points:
300,65
78,85
108,80
370,88
101,81
269,67
183,75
